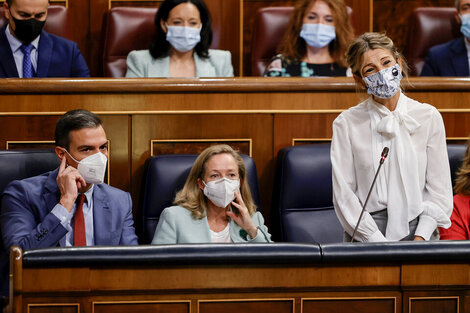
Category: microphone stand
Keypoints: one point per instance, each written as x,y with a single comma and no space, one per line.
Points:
382,159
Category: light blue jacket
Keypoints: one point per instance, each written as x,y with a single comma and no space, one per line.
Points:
141,64
176,225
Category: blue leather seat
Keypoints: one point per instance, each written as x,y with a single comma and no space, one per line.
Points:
165,175
456,154
302,204
15,165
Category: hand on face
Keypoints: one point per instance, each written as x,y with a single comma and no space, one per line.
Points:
243,218
69,182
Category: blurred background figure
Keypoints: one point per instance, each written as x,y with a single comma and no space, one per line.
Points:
316,39
181,46
460,229
451,58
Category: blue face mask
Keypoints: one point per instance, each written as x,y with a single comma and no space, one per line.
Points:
385,83
183,38
318,35
465,28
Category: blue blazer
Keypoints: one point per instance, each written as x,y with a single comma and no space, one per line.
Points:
57,57
448,59
176,225
26,219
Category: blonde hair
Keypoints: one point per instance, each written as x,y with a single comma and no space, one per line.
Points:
372,41
462,182
192,197
294,47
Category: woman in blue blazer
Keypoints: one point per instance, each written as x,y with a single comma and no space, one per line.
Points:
181,45
215,204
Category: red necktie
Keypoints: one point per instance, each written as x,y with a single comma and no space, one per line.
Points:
79,237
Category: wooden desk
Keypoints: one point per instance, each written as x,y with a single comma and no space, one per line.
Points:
145,117
178,279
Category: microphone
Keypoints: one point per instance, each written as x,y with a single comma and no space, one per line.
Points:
383,156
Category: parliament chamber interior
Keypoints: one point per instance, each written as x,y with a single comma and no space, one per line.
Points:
281,126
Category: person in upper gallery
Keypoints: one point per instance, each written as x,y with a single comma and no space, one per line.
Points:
460,218
215,204
413,192
28,51
316,39
451,58
181,45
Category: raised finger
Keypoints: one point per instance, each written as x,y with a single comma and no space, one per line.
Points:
62,164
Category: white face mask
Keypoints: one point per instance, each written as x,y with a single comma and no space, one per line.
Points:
92,168
183,38
222,191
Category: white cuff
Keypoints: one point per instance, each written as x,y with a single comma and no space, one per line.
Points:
426,226
377,237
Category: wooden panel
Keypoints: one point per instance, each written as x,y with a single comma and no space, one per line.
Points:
271,306
95,11
393,18
310,127
29,145
196,146
53,308
434,305
130,3
349,305
257,128
141,307
436,275
226,20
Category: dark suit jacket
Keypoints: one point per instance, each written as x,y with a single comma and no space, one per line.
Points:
448,59
26,219
57,57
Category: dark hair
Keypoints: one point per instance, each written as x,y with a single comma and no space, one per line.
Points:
74,120
160,47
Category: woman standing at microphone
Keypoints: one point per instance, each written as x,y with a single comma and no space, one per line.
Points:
413,192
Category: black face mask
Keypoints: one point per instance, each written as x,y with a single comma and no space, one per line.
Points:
27,30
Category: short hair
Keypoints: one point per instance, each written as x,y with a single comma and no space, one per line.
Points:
74,120
293,46
457,4
462,182
160,47
371,41
192,197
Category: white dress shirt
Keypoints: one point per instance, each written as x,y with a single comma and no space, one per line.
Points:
15,46
414,181
66,217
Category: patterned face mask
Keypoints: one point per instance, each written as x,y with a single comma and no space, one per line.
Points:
385,83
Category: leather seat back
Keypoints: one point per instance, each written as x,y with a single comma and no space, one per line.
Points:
429,26
303,196
164,176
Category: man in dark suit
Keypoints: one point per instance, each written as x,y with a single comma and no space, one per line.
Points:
451,58
70,206
28,51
